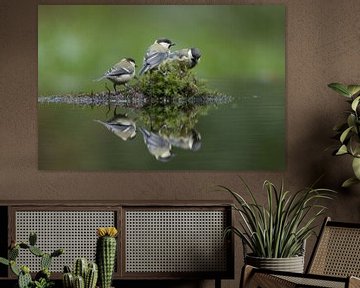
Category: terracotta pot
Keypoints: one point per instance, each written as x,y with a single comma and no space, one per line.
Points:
291,264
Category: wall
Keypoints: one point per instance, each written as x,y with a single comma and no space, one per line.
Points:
323,40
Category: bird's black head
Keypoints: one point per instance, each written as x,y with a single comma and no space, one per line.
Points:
130,60
165,40
196,140
166,158
196,54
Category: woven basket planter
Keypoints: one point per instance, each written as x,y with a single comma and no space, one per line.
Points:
291,264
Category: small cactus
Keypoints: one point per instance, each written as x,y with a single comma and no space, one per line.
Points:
57,253
13,253
32,238
67,269
88,273
68,280
80,267
79,282
36,251
24,278
91,276
106,254
45,261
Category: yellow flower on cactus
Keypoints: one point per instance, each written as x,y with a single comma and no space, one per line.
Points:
106,231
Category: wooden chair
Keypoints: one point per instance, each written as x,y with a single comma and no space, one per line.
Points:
335,262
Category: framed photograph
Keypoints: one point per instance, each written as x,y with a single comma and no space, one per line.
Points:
161,87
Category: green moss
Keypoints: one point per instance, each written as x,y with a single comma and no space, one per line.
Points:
176,120
172,80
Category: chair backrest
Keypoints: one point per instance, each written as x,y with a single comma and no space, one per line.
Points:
337,251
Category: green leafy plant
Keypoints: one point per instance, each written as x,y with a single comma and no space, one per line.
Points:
348,133
43,283
279,229
42,278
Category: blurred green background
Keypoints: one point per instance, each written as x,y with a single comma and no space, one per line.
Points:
77,44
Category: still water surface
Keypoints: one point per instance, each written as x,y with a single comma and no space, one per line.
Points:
246,134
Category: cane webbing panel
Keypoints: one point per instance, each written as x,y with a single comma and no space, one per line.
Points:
268,281
313,282
175,241
338,252
74,231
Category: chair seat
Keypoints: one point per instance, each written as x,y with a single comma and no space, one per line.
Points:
335,262
267,279
315,282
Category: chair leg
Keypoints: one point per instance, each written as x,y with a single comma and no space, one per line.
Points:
246,274
354,282
250,278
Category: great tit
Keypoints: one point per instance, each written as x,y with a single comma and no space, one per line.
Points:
158,146
121,125
156,54
121,73
190,141
191,56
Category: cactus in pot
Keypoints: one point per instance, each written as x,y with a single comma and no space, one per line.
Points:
42,278
91,275
81,266
79,282
68,278
85,275
106,254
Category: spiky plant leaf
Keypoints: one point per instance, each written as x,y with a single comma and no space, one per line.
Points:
280,228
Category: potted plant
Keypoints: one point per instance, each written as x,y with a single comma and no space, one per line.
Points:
42,278
348,132
276,233
84,274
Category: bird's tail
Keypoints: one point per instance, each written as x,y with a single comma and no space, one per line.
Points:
99,79
144,69
144,132
99,121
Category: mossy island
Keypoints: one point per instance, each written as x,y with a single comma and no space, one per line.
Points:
172,83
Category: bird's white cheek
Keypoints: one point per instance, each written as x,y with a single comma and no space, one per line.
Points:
190,54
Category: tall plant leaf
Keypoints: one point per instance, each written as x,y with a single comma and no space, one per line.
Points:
340,88
279,228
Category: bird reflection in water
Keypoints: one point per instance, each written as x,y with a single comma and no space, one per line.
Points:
190,141
157,145
121,125
164,127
